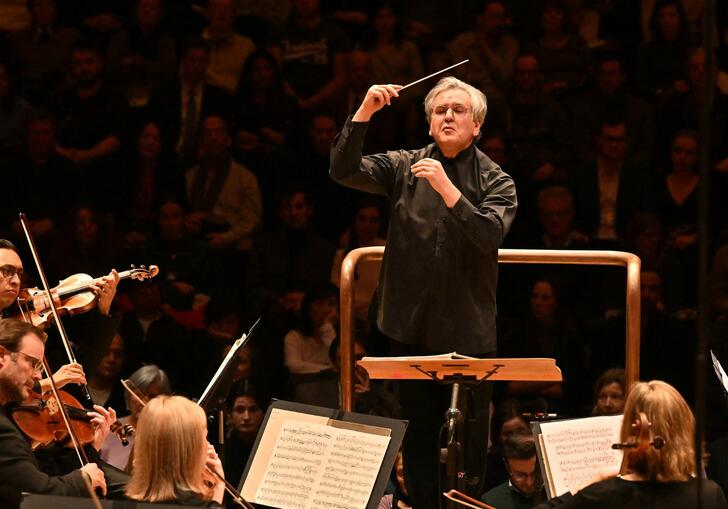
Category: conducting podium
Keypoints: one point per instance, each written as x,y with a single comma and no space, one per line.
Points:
460,371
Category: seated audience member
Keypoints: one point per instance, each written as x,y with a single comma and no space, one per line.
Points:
524,485
291,253
224,195
13,111
171,455
312,54
104,379
228,49
491,50
179,106
399,498
41,52
152,381
246,409
306,349
92,118
556,215
662,477
141,57
507,418
152,176
609,190
365,231
609,393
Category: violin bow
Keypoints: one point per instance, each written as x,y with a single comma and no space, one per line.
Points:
136,393
52,304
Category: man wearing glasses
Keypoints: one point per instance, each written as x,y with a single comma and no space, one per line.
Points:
451,207
22,347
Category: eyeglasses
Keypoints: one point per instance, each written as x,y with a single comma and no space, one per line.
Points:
458,110
8,271
522,476
34,361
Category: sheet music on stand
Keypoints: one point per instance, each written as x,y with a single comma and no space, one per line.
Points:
722,377
217,390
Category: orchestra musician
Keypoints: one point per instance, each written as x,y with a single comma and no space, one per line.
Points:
22,346
661,477
171,454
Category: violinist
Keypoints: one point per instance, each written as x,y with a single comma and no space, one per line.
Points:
22,346
170,455
657,473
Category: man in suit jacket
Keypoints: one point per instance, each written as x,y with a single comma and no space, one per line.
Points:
22,346
608,190
181,105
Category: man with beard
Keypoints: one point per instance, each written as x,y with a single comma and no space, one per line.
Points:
89,117
22,346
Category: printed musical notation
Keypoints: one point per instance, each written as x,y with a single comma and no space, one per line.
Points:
313,465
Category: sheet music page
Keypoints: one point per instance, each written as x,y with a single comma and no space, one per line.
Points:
578,449
314,465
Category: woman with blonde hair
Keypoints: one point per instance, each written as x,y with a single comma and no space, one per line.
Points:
663,477
171,453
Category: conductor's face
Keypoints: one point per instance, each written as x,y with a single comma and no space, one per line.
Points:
451,122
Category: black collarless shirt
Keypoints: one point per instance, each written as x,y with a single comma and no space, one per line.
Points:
438,281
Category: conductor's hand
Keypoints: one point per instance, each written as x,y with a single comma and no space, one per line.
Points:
432,171
95,476
377,96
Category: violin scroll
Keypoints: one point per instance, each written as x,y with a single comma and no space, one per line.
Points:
141,273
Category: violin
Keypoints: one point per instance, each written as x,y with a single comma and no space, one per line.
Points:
72,296
638,445
40,419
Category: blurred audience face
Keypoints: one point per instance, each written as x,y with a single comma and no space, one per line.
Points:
511,425
149,144
543,301
609,76
612,142
214,138
225,327
146,299
322,132
493,20
262,73
495,148
556,216
684,154
44,13
610,400
112,363
86,226
523,474
171,222
553,19
221,14
367,223
305,8
86,67
385,21
651,290
359,70
193,66
296,212
527,74
246,415
696,71
148,14
668,22
40,138
324,310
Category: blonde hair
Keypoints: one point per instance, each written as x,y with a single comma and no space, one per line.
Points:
671,419
170,447
478,102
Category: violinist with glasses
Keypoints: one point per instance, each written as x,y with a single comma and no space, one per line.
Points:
22,347
659,469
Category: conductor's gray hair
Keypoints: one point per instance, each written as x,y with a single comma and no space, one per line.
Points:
478,102
146,376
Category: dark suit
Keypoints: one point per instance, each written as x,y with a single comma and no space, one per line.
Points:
165,107
633,195
19,470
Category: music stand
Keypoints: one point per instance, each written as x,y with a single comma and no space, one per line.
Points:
216,393
457,370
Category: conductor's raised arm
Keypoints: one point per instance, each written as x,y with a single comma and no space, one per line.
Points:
377,96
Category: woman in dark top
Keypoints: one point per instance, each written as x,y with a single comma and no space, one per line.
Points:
663,478
170,455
